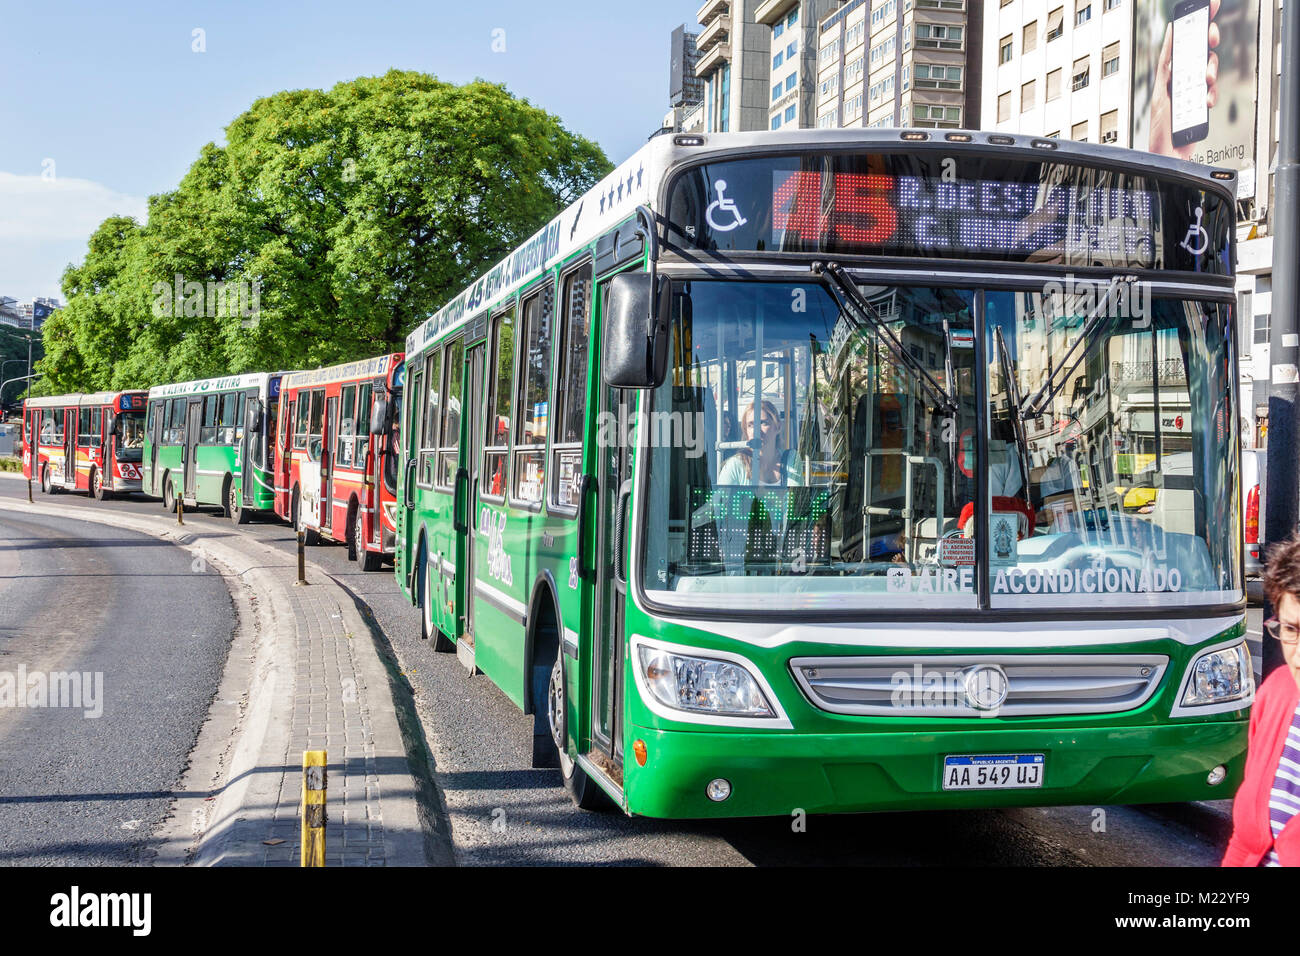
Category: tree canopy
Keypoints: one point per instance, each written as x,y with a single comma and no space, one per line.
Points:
344,218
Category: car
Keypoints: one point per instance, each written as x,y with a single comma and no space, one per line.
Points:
1254,468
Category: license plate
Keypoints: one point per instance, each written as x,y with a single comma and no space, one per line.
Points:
993,772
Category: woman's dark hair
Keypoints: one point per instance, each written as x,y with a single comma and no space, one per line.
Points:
1282,575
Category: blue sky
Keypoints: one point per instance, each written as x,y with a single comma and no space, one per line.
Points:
103,104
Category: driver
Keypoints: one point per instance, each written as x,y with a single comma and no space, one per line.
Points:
773,469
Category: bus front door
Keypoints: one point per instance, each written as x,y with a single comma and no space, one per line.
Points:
193,423
614,477
156,416
247,445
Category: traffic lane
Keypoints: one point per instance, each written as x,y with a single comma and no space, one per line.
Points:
503,811
147,629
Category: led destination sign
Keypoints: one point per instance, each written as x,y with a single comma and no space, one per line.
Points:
895,205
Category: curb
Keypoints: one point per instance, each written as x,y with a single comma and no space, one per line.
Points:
240,761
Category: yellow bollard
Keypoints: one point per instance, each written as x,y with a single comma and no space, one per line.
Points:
180,510
313,807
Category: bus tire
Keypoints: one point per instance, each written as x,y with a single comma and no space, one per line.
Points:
441,642
47,486
168,493
584,791
234,509
368,560
97,489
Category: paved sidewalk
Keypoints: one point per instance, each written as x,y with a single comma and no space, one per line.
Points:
304,674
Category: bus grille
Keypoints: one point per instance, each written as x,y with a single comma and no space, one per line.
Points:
967,686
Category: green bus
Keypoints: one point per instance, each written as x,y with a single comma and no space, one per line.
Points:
758,477
212,442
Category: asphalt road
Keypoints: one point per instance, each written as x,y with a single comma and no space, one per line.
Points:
503,812
88,784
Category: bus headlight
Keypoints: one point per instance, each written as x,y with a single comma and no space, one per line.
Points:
702,685
1219,676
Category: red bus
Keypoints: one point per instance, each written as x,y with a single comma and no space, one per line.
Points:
336,474
91,443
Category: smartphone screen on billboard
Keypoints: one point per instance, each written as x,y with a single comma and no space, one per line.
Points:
1191,51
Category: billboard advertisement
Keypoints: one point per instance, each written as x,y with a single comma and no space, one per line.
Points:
1194,82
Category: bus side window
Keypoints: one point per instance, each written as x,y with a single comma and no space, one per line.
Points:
453,382
570,402
533,390
432,416
301,410
228,418
347,427
365,396
501,377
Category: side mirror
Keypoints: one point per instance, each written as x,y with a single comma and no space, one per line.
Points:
636,330
379,416
253,417
114,425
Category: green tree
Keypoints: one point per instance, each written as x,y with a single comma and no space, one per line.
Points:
352,213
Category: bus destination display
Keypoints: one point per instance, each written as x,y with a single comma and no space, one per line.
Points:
936,207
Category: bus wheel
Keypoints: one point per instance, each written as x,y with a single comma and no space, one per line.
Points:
441,642
97,489
169,494
368,560
233,509
47,488
582,789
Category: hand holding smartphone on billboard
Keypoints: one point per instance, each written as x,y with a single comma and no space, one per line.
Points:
1186,84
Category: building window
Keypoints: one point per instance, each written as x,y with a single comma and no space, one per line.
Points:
1082,12
1004,106
883,51
1027,93
1263,328
827,120
828,53
791,50
853,36
1029,38
1004,50
931,76
776,122
1110,127
1110,60
790,114
853,72
882,13
776,92
778,29
1080,74
1056,135
943,4
1055,24
1053,85
793,18
777,60
790,81
724,105
942,117
829,86
938,36
907,78
1079,131
1113,4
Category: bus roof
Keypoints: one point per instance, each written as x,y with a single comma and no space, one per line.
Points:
80,398
202,386
635,182
366,368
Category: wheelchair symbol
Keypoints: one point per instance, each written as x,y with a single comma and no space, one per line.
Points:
723,204
1197,239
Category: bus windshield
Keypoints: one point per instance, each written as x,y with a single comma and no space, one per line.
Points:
1123,469
824,461
130,446
797,454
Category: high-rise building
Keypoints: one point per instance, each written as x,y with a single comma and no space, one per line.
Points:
1060,69
793,53
685,89
893,63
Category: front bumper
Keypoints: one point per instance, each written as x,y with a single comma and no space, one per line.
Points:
774,774
127,485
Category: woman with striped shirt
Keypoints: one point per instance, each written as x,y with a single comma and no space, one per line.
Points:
1264,832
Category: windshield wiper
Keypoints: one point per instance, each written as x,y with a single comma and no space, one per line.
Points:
1013,402
854,304
1041,399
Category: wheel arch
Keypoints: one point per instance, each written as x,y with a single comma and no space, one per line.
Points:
540,644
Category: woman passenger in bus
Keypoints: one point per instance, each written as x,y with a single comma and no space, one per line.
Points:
1264,831
773,468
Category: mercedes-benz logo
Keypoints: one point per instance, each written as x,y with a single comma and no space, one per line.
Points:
986,686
